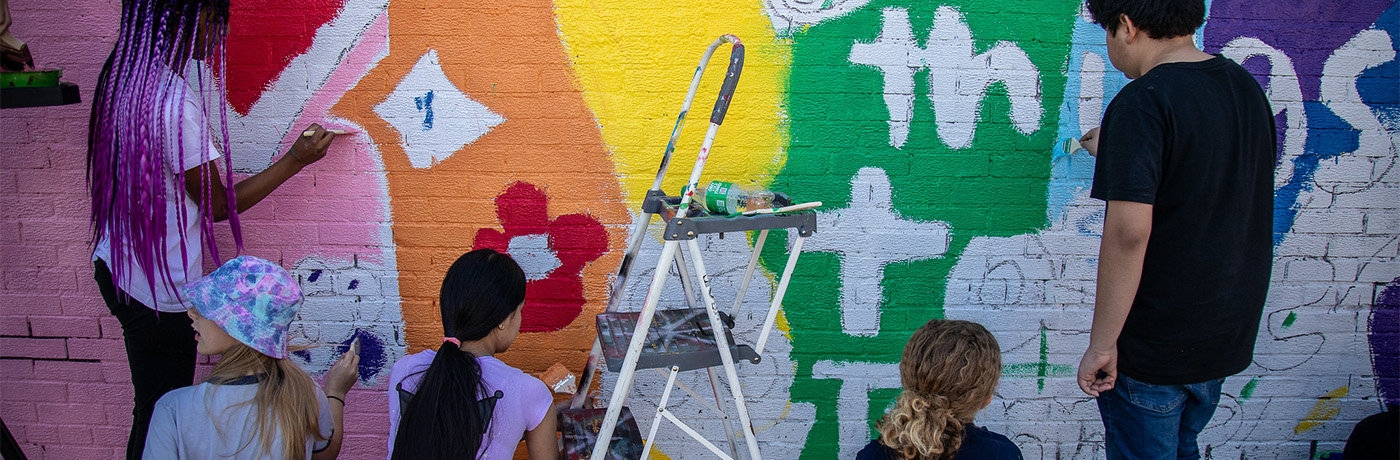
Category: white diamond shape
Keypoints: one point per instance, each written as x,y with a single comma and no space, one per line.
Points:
434,117
536,258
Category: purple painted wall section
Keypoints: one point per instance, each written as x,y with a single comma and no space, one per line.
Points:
1385,342
1281,24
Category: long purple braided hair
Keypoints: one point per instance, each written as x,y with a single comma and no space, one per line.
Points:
136,114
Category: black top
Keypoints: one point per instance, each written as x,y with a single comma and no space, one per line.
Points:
488,404
977,444
1195,140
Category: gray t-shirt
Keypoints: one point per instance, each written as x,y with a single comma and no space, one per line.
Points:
204,421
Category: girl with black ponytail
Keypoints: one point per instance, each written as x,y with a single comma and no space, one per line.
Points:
460,401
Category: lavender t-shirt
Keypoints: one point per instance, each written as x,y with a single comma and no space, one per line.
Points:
524,403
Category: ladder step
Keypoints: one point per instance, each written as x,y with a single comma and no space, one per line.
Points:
683,338
580,433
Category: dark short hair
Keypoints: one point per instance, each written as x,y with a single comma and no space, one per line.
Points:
1159,18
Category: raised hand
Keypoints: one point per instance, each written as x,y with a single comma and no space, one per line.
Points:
343,373
310,149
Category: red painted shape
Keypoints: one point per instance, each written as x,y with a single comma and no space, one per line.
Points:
264,36
577,239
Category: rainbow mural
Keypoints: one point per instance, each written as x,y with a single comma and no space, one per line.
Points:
927,129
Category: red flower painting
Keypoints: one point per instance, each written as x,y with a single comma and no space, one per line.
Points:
554,292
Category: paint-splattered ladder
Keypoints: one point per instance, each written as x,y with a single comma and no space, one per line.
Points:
683,339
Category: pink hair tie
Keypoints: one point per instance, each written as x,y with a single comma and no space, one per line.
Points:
453,340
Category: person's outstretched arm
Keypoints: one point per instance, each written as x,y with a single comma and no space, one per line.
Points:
248,192
1126,229
543,441
339,379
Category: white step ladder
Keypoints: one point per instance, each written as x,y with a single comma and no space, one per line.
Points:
691,338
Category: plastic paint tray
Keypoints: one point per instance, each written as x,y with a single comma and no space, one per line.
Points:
33,79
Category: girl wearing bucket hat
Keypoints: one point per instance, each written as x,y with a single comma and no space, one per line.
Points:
256,404
461,399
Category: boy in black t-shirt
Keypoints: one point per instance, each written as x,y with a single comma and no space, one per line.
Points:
1185,162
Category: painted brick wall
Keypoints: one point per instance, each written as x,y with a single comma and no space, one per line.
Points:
535,127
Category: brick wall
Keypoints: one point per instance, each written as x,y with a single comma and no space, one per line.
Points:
535,127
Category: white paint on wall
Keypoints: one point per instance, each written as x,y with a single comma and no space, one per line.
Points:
891,53
535,255
433,116
1284,94
1091,73
256,135
958,76
958,80
869,234
853,403
1368,49
788,15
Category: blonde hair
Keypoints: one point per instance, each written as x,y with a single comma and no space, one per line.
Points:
949,371
286,401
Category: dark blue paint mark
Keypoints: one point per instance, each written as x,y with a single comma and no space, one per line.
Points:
1384,337
305,355
1089,225
315,275
354,284
1379,86
373,357
425,105
1280,122
1328,137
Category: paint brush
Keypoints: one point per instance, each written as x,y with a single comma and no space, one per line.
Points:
793,208
1066,147
311,132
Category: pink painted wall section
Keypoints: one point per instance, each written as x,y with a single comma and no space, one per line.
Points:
64,384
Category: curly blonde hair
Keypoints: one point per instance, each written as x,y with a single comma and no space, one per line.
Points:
949,371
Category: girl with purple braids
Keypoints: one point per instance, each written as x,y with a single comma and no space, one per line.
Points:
156,188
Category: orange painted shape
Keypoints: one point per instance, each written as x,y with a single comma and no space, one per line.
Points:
510,60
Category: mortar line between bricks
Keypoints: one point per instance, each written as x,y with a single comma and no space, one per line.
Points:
65,360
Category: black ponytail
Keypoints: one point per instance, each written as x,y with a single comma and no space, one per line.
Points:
481,290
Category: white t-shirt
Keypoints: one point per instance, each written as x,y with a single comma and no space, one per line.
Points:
186,267
524,402
205,421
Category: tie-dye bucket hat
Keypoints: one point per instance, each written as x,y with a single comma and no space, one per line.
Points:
251,299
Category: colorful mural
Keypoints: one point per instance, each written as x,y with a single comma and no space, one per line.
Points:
932,137
927,129
459,125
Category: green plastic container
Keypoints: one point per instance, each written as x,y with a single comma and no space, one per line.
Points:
34,79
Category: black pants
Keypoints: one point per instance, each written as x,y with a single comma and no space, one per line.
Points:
160,348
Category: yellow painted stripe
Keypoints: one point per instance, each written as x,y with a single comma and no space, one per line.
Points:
1325,409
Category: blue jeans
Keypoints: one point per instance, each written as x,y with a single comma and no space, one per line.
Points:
1146,421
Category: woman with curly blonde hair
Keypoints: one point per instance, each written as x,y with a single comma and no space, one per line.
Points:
949,372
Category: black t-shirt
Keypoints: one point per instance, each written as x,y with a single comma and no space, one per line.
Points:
1195,140
977,444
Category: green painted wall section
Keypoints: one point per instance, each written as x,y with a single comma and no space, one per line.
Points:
839,124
